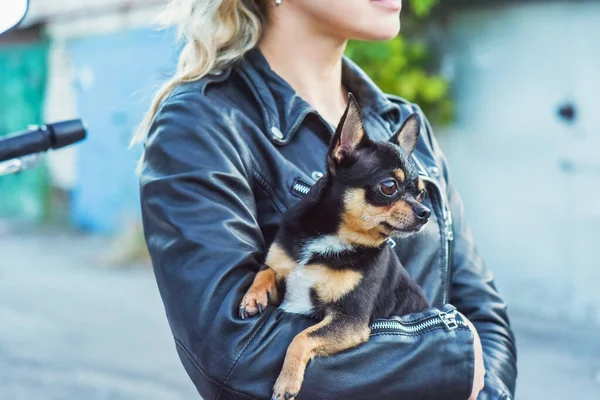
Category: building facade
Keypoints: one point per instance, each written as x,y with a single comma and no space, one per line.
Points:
99,60
525,146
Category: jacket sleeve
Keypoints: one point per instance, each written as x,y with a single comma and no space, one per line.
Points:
199,209
473,292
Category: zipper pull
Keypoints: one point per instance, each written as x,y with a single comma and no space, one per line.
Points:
449,319
300,188
449,232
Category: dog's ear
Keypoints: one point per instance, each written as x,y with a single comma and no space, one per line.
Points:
349,135
408,135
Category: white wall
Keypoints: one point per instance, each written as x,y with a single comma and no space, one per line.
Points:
530,181
56,9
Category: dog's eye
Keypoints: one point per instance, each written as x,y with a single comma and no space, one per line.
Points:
421,195
389,188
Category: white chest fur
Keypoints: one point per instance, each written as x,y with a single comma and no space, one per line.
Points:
301,280
297,296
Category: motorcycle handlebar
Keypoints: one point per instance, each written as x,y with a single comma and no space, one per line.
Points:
41,139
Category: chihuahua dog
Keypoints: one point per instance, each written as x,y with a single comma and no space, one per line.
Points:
330,258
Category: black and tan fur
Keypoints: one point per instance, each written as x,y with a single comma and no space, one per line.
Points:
330,258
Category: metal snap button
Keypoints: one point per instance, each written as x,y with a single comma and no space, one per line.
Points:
316,175
276,133
435,171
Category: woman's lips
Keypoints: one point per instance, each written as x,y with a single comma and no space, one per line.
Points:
394,5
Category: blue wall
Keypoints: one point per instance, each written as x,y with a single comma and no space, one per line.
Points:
116,76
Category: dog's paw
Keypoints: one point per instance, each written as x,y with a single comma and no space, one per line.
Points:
254,302
262,291
286,388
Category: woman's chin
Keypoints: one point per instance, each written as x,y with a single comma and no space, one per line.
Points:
383,31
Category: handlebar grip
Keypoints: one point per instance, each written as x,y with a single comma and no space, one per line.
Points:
65,133
22,144
40,139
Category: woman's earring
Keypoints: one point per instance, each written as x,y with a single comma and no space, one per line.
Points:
278,2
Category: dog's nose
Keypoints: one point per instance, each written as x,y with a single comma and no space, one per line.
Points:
423,213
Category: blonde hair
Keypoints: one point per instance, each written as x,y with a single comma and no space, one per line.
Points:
216,34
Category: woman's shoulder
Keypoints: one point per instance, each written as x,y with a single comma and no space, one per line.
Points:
201,120
216,100
197,93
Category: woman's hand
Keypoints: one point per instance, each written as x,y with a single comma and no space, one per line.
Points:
479,375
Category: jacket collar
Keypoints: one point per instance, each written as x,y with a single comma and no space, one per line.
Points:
284,110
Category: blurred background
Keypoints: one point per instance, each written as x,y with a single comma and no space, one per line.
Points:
512,89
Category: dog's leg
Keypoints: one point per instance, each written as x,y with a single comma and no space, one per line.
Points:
332,335
264,288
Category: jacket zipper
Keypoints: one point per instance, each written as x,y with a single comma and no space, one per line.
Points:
448,231
448,227
442,319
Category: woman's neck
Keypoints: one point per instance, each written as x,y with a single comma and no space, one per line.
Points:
310,61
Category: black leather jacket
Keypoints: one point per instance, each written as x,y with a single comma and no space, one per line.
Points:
225,157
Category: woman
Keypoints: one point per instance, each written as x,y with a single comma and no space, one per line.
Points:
238,136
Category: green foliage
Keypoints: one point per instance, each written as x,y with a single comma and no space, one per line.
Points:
399,67
422,8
